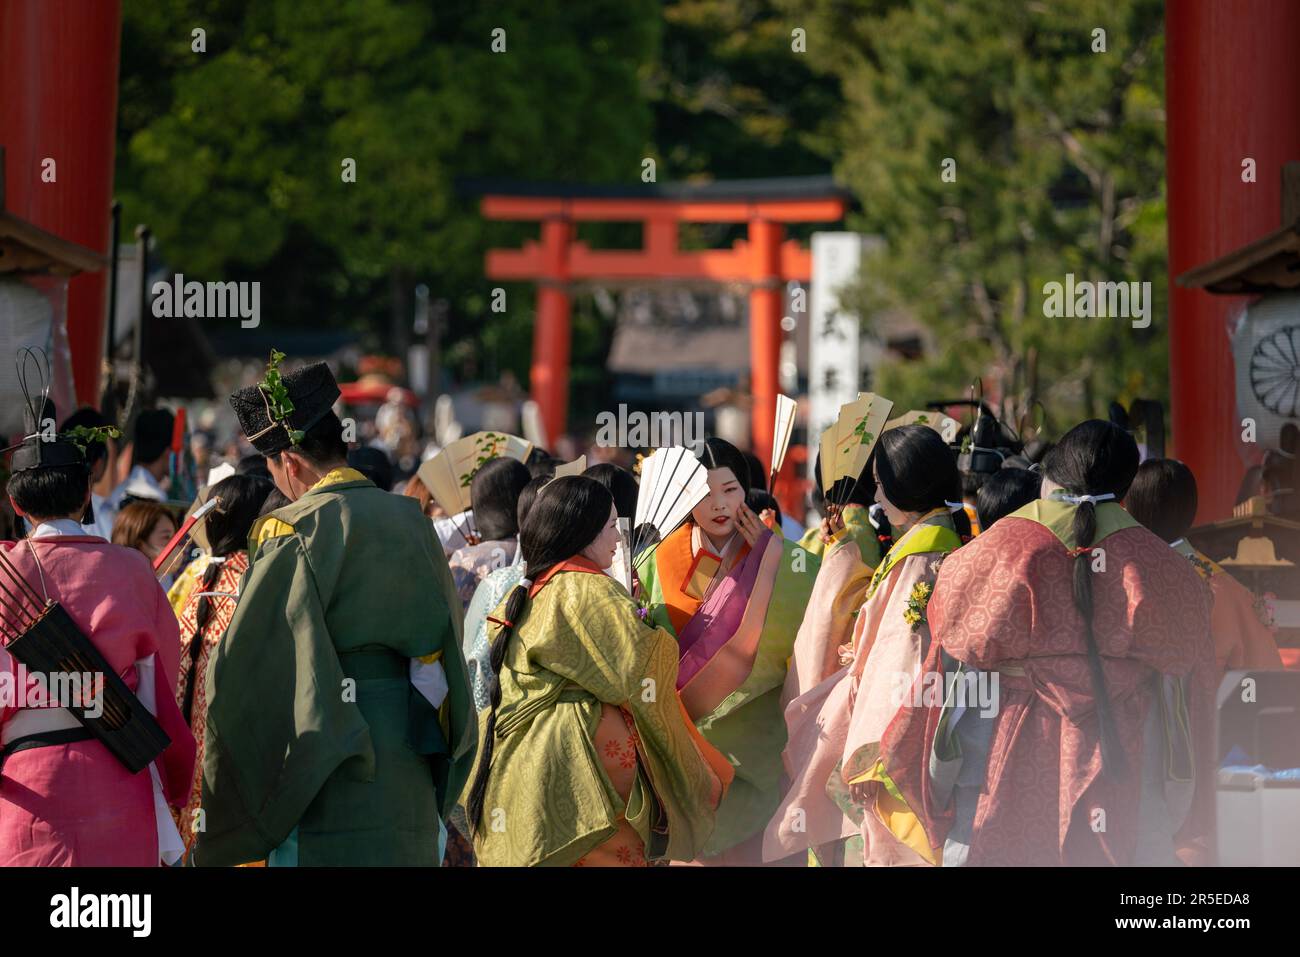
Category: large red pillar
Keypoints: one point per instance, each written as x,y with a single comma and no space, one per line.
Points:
765,301
58,100
549,376
1232,81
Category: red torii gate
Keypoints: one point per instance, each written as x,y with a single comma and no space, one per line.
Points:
764,260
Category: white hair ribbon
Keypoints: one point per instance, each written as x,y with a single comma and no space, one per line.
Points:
955,506
527,583
1080,499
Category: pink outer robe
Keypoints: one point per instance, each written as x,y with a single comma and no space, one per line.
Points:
837,596
861,694
1006,600
75,804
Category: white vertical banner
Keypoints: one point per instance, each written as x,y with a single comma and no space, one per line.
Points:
833,336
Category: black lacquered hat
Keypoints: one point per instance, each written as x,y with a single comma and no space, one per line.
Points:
275,413
42,448
37,453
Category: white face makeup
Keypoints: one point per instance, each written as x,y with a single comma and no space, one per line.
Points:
601,551
716,515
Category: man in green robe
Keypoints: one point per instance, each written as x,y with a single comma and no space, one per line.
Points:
340,728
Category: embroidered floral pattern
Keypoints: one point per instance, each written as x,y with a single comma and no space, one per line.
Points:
914,615
620,751
223,610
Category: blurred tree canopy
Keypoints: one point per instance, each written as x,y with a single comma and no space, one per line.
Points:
234,156
1059,168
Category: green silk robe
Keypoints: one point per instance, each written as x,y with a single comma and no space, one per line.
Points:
857,524
548,802
314,728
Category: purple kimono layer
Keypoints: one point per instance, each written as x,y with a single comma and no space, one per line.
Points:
718,618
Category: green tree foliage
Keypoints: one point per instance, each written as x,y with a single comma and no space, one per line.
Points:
234,155
1059,156
733,99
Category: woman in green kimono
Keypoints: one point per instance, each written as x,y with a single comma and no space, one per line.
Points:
588,757
734,594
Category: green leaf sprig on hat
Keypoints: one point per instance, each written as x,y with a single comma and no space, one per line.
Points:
85,435
277,396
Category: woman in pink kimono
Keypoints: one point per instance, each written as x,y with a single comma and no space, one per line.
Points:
1094,636
65,800
835,727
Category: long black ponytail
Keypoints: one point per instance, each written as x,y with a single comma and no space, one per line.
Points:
241,497
1094,458
567,516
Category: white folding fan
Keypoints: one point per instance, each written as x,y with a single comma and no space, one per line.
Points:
781,432
673,482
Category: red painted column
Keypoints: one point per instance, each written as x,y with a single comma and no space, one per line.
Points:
58,99
549,376
1232,81
765,301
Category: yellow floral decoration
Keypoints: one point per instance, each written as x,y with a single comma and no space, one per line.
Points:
916,602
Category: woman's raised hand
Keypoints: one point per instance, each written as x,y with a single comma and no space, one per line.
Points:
748,524
832,523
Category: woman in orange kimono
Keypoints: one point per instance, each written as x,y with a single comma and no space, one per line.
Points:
733,593
1163,498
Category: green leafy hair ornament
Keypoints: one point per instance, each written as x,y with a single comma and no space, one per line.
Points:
278,403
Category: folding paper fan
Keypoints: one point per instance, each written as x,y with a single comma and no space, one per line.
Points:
645,482
447,475
576,467
945,425
781,432
622,564
670,488
857,428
